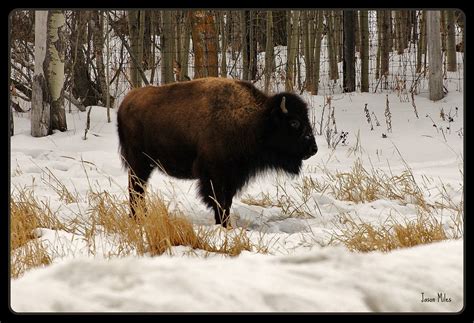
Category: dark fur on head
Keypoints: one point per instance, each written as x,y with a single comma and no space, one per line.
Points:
222,132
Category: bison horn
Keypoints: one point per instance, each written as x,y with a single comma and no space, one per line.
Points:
282,105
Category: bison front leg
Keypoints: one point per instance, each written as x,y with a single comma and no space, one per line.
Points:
213,194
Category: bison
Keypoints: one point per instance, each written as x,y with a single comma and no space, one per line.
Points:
220,131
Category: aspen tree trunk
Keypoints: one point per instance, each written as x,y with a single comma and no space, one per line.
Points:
450,41
223,28
136,30
357,30
252,47
379,43
385,45
245,45
308,46
399,32
292,50
434,53
364,51
332,51
349,51
317,51
107,63
421,50
98,39
167,47
443,29
185,43
269,55
147,43
55,70
338,34
40,98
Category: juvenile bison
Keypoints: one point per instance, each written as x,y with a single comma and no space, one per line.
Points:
219,131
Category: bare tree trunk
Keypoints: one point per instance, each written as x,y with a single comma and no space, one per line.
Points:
185,32
98,39
136,23
357,30
332,51
308,45
40,97
317,52
434,53
269,55
167,47
443,29
147,43
204,41
364,51
421,42
223,33
349,51
245,45
451,41
385,45
399,31
252,46
55,70
292,49
338,34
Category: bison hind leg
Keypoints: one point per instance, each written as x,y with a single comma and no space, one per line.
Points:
136,187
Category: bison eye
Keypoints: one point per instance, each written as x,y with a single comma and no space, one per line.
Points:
295,123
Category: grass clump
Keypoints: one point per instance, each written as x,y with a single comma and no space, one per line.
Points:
360,236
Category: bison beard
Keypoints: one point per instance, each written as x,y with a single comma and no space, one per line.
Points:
222,132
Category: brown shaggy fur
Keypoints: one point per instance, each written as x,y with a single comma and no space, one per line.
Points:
217,130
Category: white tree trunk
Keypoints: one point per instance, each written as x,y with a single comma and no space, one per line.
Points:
55,69
434,55
40,106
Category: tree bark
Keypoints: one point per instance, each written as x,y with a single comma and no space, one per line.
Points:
318,32
136,23
349,51
204,42
223,33
385,43
421,51
167,47
98,38
364,51
451,41
55,70
269,55
434,53
332,51
245,45
292,50
40,98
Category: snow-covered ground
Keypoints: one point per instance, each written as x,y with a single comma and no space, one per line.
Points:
323,280
300,272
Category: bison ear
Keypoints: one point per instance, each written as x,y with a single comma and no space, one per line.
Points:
283,105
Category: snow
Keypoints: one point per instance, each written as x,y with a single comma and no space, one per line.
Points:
323,280
302,270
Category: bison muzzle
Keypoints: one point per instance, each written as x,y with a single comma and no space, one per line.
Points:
222,132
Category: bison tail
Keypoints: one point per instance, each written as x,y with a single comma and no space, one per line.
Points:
122,144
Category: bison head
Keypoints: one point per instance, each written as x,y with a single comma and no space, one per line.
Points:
289,133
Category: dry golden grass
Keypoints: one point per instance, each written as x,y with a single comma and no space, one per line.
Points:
160,229
27,215
108,217
360,185
360,236
264,200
